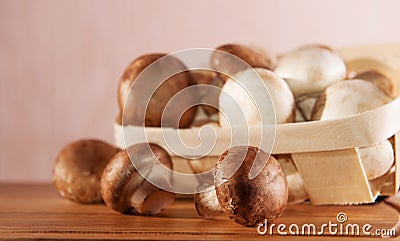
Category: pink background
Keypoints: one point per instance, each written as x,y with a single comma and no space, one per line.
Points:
60,60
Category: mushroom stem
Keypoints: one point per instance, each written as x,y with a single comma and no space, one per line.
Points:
125,190
149,199
206,201
296,190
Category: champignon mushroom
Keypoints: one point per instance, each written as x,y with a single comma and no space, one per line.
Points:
379,79
208,95
78,168
347,98
376,159
296,189
250,201
206,201
310,69
131,73
205,122
376,71
304,108
125,190
146,107
252,104
253,56
351,97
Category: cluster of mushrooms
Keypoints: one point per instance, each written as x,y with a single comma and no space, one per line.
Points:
307,84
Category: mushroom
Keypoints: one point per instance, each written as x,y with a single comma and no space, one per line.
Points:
296,189
379,79
203,164
146,105
251,99
375,71
246,201
131,73
347,98
205,122
304,108
253,56
250,201
206,201
376,159
208,95
352,97
310,69
125,190
78,168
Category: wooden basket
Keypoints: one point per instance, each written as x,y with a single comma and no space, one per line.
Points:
326,158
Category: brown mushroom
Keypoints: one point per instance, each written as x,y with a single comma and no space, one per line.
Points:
78,168
250,201
125,190
208,95
254,57
146,105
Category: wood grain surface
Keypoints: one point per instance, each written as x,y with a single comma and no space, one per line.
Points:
36,212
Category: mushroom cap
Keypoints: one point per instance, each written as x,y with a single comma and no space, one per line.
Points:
379,79
124,189
205,122
208,95
351,97
203,164
376,71
348,98
310,69
133,105
131,73
78,168
253,56
256,109
250,201
376,159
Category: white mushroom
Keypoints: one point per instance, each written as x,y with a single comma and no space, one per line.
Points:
296,189
310,69
352,97
375,71
347,98
253,101
304,108
379,80
376,159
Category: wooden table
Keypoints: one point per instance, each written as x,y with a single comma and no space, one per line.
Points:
37,212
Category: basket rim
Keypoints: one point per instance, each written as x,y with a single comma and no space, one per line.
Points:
363,129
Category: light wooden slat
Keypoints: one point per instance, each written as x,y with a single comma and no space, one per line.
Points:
364,129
